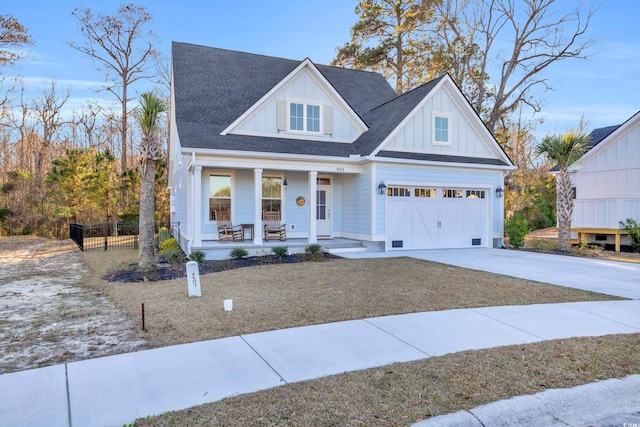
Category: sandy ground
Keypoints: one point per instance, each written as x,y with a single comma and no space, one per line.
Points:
47,316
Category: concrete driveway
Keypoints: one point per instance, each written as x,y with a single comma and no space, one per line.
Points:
608,277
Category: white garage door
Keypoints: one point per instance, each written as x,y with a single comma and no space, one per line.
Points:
436,217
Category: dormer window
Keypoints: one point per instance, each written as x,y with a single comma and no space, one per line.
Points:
304,117
300,117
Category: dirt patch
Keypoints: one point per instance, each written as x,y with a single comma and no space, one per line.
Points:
47,316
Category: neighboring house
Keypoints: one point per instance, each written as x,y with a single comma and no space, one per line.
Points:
334,150
607,183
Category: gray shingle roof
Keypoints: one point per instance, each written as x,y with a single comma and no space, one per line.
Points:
386,117
441,158
597,135
213,87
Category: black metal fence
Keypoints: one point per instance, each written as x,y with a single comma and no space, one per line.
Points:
106,235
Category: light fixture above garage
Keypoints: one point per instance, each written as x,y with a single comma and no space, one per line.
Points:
499,192
382,187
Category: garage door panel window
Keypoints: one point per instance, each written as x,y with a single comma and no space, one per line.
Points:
475,194
425,192
399,192
451,193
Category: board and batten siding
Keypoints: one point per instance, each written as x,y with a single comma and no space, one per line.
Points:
417,134
608,184
303,88
446,177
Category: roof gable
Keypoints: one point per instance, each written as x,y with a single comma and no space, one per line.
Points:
602,138
407,126
318,83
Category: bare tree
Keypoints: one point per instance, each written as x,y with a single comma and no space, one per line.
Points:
48,112
12,34
117,44
540,35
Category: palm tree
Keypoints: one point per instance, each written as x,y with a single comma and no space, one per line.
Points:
564,150
150,151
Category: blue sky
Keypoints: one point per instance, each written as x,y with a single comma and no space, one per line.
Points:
604,89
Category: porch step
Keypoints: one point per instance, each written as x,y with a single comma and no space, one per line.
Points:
338,250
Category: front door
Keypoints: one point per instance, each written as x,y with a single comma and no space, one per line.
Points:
323,210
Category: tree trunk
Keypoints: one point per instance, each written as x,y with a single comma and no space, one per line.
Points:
146,250
123,128
565,210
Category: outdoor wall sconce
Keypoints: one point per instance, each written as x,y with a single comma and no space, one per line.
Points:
382,187
499,192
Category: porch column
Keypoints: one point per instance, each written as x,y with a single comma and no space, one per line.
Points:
197,205
258,229
313,180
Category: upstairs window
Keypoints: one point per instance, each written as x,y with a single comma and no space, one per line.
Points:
304,117
441,129
313,118
296,116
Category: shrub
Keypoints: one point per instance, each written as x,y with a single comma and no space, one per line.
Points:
543,245
163,234
197,256
516,227
173,256
313,252
633,232
280,251
313,249
238,253
168,245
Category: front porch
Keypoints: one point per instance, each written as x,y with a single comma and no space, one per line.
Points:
216,250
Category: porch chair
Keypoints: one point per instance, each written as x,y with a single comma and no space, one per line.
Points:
226,231
272,227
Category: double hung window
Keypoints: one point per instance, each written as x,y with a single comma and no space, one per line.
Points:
219,194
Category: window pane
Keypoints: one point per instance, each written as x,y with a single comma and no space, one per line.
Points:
218,205
441,129
271,205
271,187
313,118
219,186
296,116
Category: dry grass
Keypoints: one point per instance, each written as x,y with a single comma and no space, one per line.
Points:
282,296
400,394
395,395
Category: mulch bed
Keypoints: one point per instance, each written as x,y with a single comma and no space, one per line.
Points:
165,271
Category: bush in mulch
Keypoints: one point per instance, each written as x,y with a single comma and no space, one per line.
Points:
175,271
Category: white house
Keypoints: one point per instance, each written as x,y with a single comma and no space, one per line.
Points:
335,151
607,183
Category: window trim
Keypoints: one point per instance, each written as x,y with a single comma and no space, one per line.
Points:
207,191
448,116
305,104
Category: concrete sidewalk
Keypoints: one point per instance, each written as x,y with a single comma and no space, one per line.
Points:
115,390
